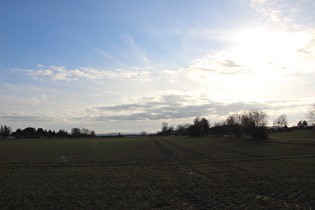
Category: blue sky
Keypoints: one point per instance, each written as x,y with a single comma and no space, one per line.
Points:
131,65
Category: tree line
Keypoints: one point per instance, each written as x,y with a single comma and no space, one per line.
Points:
31,132
251,123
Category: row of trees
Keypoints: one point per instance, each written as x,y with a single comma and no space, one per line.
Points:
31,132
252,123
281,123
77,132
200,127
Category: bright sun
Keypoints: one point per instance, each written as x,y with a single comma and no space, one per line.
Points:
261,47
263,60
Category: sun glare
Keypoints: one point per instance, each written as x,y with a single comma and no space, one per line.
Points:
268,52
258,64
259,46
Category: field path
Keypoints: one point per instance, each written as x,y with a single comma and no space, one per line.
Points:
268,188
182,168
177,163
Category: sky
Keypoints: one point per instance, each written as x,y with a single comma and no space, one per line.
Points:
128,66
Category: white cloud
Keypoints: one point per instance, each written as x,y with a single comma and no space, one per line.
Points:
37,100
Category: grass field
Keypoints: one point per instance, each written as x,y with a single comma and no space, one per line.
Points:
295,134
155,173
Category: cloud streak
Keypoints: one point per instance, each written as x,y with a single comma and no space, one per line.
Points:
168,107
62,74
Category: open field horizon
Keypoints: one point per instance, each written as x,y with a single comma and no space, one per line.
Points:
222,72
155,173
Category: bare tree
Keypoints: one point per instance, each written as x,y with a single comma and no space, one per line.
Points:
1,131
75,132
205,126
311,115
199,128
302,124
219,128
182,129
254,123
281,121
5,131
234,125
143,133
164,127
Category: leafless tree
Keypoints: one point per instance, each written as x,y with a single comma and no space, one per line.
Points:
254,123
281,121
143,133
311,115
234,124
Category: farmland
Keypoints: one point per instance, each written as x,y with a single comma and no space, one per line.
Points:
155,172
295,134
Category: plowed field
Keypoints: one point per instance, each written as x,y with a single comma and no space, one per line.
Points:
155,173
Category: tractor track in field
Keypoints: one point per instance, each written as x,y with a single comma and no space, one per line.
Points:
151,163
265,194
177,163
253,158
200,178
194,202
269,190
199,156
233,151
228,162
184,201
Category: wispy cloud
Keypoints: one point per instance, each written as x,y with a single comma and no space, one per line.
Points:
299,85
135,51
61,73
12,101
284,14
38,100
27,118
272,10
104,53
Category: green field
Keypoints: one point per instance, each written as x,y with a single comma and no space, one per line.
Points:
295,134
155,173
